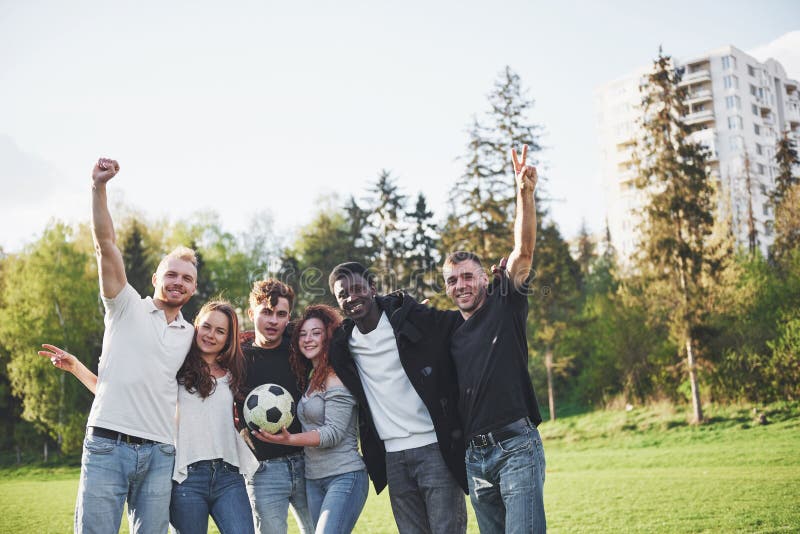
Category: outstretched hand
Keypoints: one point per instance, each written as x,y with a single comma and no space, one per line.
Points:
282,438
104,170
60,358
526,174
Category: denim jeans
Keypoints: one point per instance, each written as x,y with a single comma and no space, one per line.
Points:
335,502
112,472
425,497
506,480
276,484
212,487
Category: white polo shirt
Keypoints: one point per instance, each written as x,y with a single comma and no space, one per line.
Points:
136,387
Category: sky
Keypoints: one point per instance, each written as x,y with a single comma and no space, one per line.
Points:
264,107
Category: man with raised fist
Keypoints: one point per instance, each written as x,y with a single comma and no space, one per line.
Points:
129,451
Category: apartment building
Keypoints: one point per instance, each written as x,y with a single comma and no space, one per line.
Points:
738,108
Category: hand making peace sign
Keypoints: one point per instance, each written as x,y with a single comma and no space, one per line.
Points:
526,174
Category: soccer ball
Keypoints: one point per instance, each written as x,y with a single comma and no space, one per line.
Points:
269,407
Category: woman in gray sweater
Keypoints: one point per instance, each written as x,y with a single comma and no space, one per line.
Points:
336,477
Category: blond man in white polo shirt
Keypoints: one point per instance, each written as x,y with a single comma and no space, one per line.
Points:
128,453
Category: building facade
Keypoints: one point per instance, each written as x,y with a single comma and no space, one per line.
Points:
738,108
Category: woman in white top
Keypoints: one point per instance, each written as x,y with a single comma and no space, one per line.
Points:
211,456
336,478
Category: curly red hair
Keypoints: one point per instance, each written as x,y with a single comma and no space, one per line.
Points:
300,365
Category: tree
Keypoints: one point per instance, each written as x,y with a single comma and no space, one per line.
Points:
555,303
586,250
51,294
421,256
482,201
386,208
785,198
786,157
140,262
752,231
319,246
678,217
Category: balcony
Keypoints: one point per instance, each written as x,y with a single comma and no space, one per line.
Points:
793,115
702,95
698,76
698,117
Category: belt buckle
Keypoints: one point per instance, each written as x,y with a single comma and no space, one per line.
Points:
482,439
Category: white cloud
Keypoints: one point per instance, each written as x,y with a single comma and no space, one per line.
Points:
785,50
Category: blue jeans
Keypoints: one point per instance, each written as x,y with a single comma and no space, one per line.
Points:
276,484
425,497
112,472
335,502
506,481
212,487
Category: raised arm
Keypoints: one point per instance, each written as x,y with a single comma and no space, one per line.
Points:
521,258
67,362
109,258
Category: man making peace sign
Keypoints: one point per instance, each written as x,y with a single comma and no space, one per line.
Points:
505,458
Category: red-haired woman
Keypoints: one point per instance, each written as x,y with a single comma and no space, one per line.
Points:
336,478
211,456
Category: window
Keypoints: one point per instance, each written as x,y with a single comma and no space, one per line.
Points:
751,71
728,62
736,142
756,129
735,123
753,89
760,168
759,150
763,189
733,102
765,208
754,109
730,81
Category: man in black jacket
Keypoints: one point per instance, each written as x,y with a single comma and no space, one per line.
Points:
392,353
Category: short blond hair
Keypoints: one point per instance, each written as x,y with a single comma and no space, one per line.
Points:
178,253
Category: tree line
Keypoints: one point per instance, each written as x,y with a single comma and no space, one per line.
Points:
695,318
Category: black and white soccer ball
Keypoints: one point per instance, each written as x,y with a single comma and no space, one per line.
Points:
269,407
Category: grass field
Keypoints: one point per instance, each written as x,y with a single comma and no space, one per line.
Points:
643,470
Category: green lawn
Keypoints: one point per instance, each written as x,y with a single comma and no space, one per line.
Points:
644,470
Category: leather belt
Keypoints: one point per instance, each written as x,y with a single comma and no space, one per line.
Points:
515,428
101,432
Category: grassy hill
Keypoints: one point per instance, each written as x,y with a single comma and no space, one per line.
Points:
642,470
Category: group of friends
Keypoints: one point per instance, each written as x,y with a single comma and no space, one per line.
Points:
439,401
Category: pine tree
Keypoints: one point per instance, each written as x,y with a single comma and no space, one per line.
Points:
586,250
482,201
785,200
386,207
138,258
752,231
421,257
679,215
555,302
787,159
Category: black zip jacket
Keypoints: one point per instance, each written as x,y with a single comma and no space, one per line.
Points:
423,341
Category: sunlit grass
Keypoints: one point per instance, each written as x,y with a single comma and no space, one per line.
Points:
644,470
